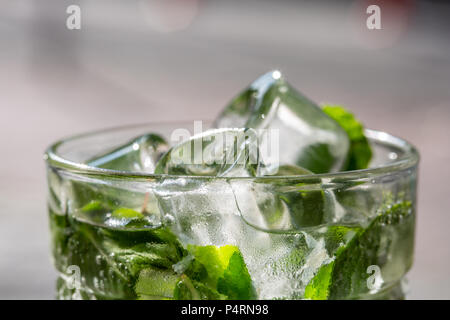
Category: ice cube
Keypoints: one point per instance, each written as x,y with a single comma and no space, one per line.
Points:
218,152
139,155
204,211
290,203
298,256
307,136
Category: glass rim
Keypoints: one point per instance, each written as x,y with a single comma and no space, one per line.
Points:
410,158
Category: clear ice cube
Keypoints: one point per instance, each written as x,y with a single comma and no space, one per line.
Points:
205,212
139,155
284,204
218,152
308,137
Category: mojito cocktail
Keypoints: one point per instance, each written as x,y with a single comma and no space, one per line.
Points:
278,199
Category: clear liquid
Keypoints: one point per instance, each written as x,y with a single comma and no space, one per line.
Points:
281,265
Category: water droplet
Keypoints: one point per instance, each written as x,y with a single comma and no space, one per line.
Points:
168,219
393,156
96,282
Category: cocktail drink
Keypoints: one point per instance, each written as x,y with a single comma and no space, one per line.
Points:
278,199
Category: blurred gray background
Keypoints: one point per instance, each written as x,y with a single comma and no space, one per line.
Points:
143,61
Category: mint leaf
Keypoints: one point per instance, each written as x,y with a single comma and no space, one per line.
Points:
128,218
225,270
318,287
126,213
214,259
188,289
207,272
360,151
236,282
89,251
95,206
317,158
144,263
111,260
336,237
156,284
346,276
146,255
306,206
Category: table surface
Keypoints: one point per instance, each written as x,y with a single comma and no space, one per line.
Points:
121,69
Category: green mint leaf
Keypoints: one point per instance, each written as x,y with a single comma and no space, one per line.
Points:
111,260
236,282
88,250
317,158
156,284
346,277
317,288
192,268
94,207
129,218
144,255
214,259
336,237
126,213
225,270
360,151
306,207
188,289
